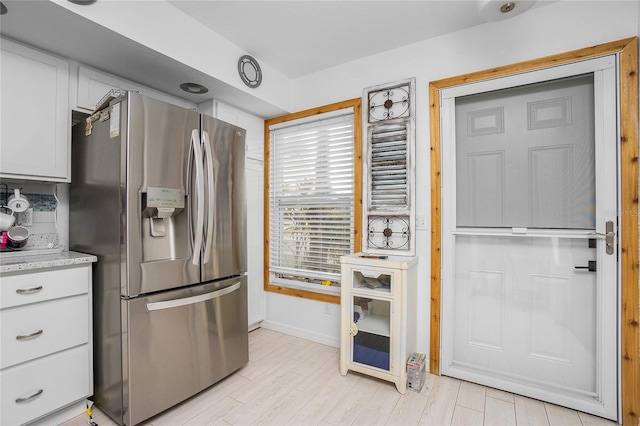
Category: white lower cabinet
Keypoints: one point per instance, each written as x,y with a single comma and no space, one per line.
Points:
39,387
46,353
32,331
378,316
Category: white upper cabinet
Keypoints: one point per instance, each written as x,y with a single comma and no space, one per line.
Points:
35,123
93,85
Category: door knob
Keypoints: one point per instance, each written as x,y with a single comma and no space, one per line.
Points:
608,237
353,329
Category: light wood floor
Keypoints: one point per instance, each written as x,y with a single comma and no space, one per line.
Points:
291,381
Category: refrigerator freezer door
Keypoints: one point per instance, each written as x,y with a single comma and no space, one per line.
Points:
158,197
225,239
182,342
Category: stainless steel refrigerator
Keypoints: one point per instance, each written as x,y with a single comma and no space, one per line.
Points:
158,195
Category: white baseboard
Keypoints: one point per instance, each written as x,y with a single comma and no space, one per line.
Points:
302,333
63,415
255,325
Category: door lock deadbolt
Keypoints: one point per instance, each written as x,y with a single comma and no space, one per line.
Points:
590,268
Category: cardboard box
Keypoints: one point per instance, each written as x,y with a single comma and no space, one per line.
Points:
416,373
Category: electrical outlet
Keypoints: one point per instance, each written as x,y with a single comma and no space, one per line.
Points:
421,221
26,217
326,309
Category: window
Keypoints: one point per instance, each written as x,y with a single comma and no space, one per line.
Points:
312,198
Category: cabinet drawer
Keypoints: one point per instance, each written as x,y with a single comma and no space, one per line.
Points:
44,385
32,331
38,286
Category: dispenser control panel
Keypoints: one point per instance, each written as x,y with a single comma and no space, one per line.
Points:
165,197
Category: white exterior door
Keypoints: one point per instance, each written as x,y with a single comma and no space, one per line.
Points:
529,250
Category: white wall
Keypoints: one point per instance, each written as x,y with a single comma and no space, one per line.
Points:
303,318
542,31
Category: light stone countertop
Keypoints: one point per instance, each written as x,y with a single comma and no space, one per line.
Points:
29,262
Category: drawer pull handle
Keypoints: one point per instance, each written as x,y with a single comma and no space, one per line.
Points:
29,290
30,397
29,336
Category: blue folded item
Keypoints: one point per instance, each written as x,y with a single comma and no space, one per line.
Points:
371,349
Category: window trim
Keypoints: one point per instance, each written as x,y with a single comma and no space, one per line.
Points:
356,104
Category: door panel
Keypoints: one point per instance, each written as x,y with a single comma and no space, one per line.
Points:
536,167
228,243
157,137
181,342
520,310
529,182
486,186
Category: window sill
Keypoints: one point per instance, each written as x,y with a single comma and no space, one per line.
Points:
306,294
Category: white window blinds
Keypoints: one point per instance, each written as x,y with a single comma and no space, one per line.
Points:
311,193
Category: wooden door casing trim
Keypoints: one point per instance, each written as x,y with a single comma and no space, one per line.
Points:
627,51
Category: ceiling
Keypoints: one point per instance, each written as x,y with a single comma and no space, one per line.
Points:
302,37
295,37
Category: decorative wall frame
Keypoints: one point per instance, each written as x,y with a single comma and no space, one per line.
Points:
389,103
389,169
388,232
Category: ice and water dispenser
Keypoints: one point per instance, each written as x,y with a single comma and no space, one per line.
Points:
160,205
164,225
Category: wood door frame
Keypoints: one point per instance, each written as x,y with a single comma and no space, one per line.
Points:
627,49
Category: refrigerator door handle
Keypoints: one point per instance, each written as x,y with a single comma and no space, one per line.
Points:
210,219
197,152
168,304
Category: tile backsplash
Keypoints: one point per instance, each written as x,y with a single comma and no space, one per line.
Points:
41,202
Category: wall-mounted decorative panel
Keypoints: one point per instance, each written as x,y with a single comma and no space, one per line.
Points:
389,185
388,232
389,171
389,103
